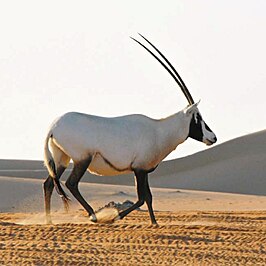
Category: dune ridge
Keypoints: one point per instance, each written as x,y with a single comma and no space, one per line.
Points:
236,166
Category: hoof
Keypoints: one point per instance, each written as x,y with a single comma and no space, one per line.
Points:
93,218
154,225
106,215
117,218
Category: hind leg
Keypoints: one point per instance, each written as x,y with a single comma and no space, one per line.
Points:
48,187
61,162
73,181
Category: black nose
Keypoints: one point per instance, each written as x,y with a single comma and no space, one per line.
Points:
214,140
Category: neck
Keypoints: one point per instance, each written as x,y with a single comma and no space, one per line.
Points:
173,131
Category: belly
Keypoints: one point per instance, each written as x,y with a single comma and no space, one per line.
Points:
104,167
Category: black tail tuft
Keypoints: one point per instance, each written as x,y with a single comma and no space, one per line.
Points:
61,192
52,166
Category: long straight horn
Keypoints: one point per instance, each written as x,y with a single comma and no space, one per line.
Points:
177,78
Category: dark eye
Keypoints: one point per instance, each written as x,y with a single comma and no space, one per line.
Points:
199,117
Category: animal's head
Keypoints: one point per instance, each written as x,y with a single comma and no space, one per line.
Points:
198,129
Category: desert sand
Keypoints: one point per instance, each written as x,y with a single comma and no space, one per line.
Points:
210,207
182,238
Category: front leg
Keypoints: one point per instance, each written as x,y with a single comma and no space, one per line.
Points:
144,194
148,200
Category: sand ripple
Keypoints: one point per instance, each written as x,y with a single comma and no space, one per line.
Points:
182,238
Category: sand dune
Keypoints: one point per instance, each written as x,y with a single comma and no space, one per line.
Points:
25,195
236,166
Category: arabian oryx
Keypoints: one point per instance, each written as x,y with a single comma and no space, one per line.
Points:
118,145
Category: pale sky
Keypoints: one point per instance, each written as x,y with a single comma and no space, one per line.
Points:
60,56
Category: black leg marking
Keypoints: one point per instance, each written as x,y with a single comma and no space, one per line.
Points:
144,194
73,180
48,187
148,200
140,178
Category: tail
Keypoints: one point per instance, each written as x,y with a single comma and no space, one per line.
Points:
50,165
48,158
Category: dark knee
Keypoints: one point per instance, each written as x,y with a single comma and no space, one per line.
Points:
60,170
71,185
48,184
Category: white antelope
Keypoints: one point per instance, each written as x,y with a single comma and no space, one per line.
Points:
118,145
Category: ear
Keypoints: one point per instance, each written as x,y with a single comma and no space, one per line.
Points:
191,108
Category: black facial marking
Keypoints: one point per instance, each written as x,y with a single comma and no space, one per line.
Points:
195,128
207,127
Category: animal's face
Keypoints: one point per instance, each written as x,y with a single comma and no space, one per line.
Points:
198,129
